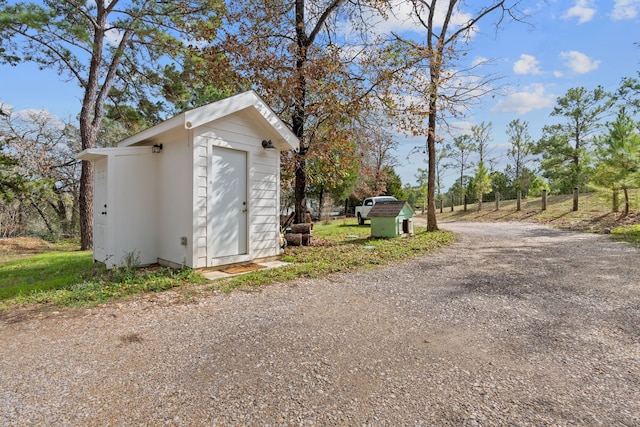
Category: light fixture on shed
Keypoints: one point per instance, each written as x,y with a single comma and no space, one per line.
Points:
156,148
268,145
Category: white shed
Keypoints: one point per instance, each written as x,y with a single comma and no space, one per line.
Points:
198,190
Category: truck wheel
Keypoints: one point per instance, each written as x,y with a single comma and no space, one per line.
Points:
360,220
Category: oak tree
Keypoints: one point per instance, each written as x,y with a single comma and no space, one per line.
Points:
42,148
304,58
438,51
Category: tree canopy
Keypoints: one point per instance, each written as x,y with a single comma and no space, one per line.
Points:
113,50
618,155
306,58
565,146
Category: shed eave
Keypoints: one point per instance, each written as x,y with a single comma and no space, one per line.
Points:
93,154
191,119
152,132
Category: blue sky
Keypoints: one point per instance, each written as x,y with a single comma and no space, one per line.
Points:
564,44
577,43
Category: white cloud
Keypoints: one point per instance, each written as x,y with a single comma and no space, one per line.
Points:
558,74
581,10
532,98
578,62
480,60
32,115
625,9
527,64
113,36
402,18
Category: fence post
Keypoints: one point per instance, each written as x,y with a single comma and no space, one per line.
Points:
544,199
465,202
441,205
575,199
497,200
518,200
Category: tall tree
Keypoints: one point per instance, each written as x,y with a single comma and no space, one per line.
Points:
519,152
460,153
481,136
104,46
394,184
618,156
294,53
43,149
565,146
326,178
375,153
441,167
11,183
421,178
482,183
444,38
629,94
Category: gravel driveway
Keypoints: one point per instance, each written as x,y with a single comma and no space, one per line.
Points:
515,324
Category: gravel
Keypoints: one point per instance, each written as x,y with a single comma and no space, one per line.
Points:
514,325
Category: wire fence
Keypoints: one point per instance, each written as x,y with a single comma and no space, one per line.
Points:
588,200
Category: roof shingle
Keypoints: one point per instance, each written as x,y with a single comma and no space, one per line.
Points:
388,209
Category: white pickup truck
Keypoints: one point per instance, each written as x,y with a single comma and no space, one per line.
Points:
362,212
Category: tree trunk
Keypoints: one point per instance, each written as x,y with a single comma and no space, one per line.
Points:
91,114
47,223
432,223
321,203
300,189
625,191
299,114
85,204
60,209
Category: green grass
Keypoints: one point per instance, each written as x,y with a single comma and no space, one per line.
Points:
70,278
340,246
108,286
43,272
594,212
629,233
34,272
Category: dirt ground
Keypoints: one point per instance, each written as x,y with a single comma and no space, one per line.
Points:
515,325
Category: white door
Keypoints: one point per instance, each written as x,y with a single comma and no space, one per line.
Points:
100,210
228,203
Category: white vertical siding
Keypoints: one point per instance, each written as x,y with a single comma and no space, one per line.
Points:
175,198
133,212
239,132
201,159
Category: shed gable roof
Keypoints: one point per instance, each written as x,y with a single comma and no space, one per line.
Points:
388,209
207,113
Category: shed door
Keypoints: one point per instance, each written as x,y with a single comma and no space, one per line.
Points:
228,203
100,210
